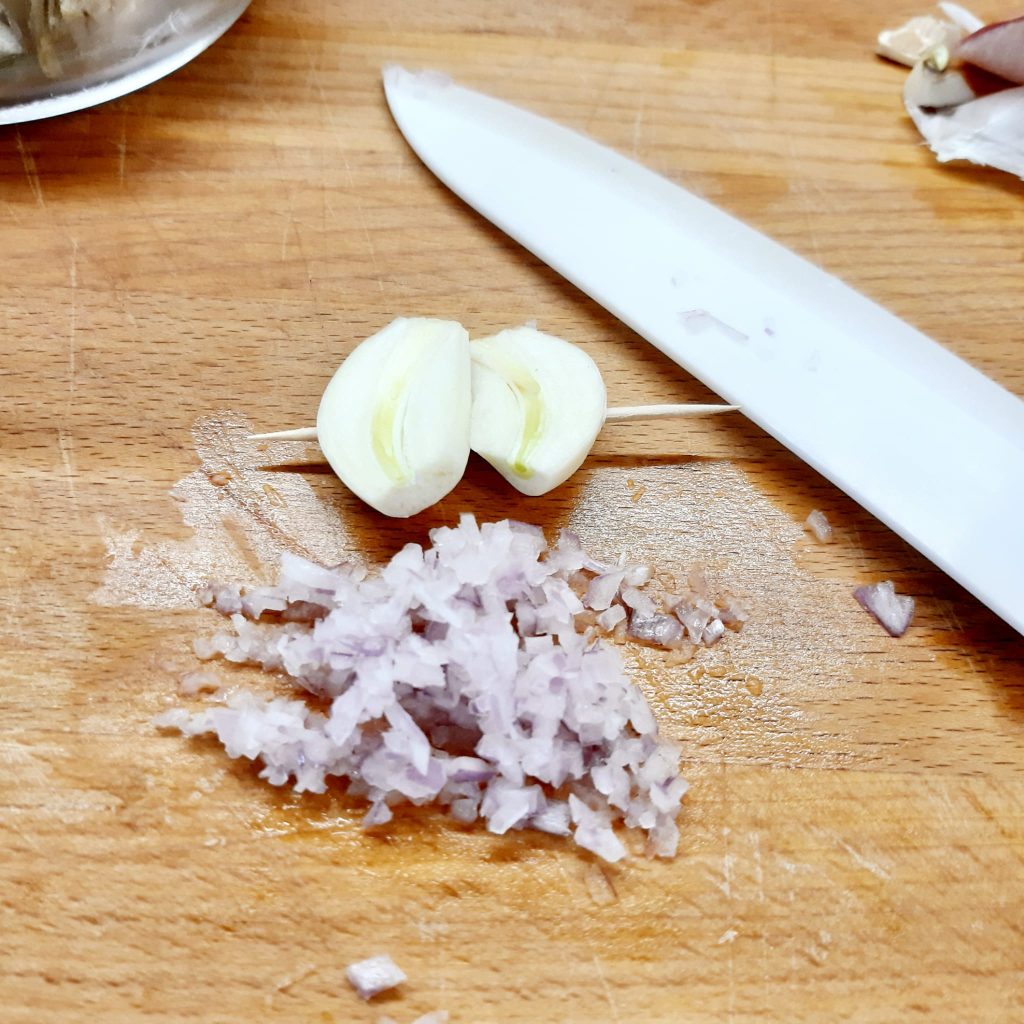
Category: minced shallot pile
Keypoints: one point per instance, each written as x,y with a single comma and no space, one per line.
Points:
472,674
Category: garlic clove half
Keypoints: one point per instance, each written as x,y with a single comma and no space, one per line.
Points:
538,405
394,420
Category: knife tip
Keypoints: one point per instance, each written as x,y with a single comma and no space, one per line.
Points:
427,80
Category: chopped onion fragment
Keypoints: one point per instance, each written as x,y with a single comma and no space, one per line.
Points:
818,524
199,681
603,590
375,975
458,675
663,630
893,611
610,618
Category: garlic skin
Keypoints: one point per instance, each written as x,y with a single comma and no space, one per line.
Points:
913,41
538,405
394,420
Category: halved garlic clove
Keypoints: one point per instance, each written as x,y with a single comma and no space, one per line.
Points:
538,405
394,420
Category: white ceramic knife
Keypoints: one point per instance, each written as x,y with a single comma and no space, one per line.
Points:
925,442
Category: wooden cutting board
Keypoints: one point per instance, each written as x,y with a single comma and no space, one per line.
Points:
199,257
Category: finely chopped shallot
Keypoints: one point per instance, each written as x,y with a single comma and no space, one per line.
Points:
817,522
462,675
893,611
374,975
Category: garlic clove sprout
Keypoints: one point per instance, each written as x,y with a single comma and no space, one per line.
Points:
394,420
538,405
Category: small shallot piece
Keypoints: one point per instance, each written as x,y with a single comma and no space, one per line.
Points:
375,975
819,525
661,630
198,681
893,611
434,1017
998,48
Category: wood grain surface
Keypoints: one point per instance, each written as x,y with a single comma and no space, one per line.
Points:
200,256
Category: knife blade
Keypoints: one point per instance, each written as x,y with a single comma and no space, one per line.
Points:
924,441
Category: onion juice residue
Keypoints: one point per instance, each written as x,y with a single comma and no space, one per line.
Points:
760,681
243,515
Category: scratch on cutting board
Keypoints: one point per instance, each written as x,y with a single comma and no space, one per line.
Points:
728,861
565,876
725,885
31,171
571,890
638,122
732,983
122,149
67,458
73,316
612,1005
755,841
754,838
289,225
29,764
288,982
861,861
431,931
809,210
238,531
367,234
794,867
